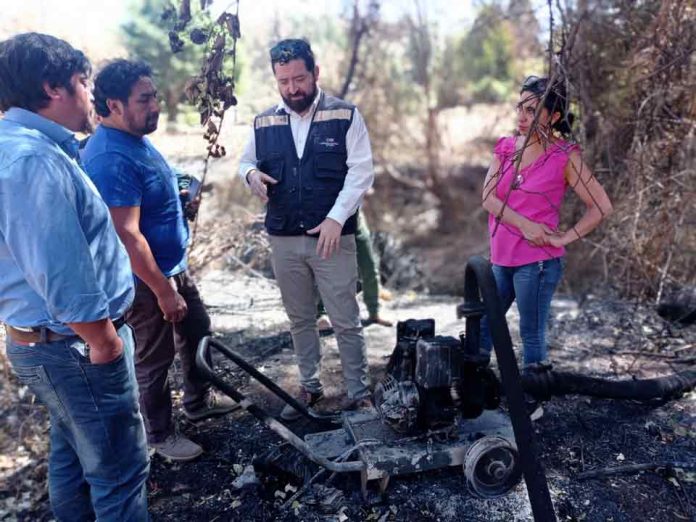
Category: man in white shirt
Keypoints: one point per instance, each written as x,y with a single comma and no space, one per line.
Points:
309,159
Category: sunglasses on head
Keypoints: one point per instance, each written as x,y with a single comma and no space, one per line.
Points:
286,51
534,83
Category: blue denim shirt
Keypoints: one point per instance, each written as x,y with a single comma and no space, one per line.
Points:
129,172
60,258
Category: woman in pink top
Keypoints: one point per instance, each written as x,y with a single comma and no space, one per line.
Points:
523,193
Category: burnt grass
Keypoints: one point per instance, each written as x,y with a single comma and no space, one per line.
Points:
576,434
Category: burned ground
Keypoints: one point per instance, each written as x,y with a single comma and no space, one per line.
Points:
602,338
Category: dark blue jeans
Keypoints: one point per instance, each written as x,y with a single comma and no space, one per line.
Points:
98,462
532,286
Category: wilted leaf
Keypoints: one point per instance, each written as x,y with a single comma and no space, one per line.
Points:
198,36
233,26
185,12
219,42
194,87
168,13
175,42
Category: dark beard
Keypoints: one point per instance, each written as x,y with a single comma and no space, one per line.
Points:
89,124
149,127
301,105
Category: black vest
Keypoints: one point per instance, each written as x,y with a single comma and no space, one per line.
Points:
307,187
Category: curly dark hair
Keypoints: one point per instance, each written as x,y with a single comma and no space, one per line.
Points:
30,60
115,81
556,101
292,49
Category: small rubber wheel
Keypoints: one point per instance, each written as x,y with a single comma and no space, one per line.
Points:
491,467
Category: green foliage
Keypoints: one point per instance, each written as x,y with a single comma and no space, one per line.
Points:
483,64
490,90
488,47
487,55
146,38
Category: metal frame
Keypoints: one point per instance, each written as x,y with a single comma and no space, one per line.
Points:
203,356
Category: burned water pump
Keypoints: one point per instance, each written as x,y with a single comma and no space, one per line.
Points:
431,379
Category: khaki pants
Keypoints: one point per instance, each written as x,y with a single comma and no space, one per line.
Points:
300,272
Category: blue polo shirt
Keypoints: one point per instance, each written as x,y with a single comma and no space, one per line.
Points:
129,172
60,258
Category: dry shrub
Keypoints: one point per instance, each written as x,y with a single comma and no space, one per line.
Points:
633,68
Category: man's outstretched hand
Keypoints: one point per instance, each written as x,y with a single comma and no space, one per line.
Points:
329,237
258,182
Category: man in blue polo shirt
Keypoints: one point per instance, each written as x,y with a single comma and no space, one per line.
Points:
65,283
141,191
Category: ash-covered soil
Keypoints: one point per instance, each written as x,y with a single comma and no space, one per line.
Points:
600,337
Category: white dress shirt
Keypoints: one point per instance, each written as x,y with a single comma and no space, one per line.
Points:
360,170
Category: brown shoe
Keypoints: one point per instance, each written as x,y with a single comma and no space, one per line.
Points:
307,398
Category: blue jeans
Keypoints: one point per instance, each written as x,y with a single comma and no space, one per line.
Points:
98,462
532,286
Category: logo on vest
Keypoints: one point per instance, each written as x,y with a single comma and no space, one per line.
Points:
329,142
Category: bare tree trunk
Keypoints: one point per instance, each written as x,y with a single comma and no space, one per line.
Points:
437,185
359,27
171,102
434,175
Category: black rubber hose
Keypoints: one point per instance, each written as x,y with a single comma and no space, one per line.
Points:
544,384
479,284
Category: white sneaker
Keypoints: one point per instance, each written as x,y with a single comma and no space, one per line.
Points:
178,448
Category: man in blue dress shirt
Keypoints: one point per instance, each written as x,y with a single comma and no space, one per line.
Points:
142,193
65,285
